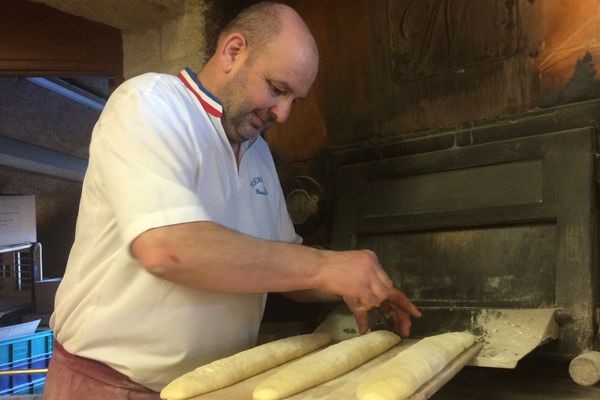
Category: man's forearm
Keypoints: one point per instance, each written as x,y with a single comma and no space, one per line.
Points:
208,256
312,296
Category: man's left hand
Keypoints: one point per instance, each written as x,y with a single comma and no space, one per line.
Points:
397,306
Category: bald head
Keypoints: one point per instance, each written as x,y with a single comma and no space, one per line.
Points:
264,22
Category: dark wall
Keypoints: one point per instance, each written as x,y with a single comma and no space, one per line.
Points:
398,67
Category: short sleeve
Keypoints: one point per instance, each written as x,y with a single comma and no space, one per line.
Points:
143,159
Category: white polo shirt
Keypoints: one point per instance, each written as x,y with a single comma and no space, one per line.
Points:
159,156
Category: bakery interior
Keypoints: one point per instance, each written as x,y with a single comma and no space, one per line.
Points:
457,139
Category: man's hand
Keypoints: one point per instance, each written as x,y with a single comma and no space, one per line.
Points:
358,277
354,274
397,306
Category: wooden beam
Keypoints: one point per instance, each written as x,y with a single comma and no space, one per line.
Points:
21,155
71,92
38,40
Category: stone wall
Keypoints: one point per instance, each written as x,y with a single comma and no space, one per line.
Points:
169,47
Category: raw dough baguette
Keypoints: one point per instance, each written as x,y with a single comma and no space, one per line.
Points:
402,375
227,371
324,365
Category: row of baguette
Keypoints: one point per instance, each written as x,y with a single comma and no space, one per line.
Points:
396,379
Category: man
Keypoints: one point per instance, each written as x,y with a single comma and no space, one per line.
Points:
183,228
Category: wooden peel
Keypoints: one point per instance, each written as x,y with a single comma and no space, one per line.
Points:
439,380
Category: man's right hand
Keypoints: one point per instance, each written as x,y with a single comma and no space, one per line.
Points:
358,277
355,274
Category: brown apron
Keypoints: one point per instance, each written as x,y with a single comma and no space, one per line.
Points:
75,378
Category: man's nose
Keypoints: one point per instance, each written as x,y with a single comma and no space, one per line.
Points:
281,110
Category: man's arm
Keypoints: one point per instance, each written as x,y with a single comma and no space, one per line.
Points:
208,256
312,296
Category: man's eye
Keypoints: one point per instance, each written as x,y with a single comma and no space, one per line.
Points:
275,90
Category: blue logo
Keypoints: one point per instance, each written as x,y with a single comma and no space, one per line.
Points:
258,186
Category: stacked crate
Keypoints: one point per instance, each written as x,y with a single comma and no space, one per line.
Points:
20,268
25,353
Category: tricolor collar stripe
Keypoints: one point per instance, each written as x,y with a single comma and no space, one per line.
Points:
195,80
208,102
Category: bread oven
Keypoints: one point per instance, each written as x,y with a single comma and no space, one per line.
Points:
492,228
460,146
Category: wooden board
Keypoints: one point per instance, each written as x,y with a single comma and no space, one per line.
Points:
344,387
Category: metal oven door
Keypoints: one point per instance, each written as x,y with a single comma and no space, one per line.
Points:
474,232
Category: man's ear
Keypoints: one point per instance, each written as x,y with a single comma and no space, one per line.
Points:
232,47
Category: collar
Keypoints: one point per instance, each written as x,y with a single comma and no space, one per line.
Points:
212,106
208,101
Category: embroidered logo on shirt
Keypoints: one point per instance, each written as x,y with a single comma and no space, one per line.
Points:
258,186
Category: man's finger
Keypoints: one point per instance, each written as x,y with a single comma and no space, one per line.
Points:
360,314
399,299
402,321
386,308
362,321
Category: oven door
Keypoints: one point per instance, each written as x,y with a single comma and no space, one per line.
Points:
487,232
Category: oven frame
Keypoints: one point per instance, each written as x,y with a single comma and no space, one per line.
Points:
559,149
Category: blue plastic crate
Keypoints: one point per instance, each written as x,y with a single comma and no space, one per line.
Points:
25,352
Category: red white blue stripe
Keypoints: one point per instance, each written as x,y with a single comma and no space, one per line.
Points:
206,99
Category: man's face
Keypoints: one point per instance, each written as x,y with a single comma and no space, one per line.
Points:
263,89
